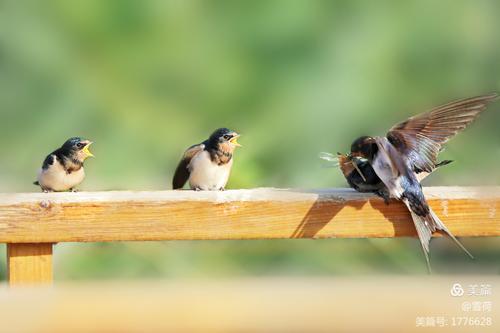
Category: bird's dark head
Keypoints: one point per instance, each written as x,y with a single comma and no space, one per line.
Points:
224,138
363,147
78,148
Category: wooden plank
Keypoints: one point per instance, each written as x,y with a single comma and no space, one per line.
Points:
29,263
237,214
280,305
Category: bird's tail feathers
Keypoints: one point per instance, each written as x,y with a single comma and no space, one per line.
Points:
439,225
425,226
36,183
424,232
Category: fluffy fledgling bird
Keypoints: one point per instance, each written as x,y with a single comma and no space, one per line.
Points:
393,166
207,166
62,170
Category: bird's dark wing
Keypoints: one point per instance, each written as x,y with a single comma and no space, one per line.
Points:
420,137
49,160
390,166
421,175
182,172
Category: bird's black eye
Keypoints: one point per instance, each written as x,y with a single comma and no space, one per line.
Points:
227,137
80,145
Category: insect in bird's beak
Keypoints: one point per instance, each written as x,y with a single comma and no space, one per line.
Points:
355,165
234,140
87,151
333,160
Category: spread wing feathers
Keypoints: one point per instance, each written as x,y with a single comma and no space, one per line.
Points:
421,175
425,226
421,137
181,175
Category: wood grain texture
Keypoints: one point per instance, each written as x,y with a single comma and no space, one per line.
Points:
236,214
29,264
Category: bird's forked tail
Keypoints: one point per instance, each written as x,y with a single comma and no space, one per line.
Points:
425,226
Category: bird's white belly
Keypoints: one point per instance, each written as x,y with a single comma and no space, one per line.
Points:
206,175
57,179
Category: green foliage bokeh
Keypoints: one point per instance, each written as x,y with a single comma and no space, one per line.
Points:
146,79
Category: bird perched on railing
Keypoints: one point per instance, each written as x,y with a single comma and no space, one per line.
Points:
62,170
361,176
207,166
393,166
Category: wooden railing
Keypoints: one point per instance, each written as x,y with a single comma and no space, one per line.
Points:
30,223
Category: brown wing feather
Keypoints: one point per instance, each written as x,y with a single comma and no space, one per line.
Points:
421,137
181,175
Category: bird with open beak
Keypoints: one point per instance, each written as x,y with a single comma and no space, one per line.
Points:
393,166
207,166
62,170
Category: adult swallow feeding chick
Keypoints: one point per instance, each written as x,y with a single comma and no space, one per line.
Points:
207,166
361,176
410,149
62,170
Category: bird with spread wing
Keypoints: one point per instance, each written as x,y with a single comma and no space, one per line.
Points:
393,166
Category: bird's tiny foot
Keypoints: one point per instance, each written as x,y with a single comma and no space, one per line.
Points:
46,191
196,189
384,195
74,190
222,189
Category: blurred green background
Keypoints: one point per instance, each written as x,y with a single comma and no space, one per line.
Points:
146,79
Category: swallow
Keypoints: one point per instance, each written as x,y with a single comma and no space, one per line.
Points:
62,170
207,166
411,148
361,176
358,173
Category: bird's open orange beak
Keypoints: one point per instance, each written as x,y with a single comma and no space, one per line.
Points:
234,140
87,151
